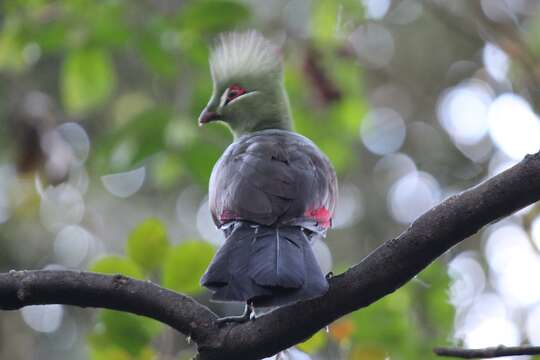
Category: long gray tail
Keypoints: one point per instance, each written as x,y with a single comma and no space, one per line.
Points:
267,265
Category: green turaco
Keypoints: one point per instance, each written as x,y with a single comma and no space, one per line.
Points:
273,191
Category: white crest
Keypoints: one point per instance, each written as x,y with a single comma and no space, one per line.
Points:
241,54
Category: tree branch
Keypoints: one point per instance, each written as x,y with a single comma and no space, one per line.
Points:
83,289
386,269
491,352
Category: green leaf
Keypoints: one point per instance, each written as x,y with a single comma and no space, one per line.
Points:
108,353
324,20
200,158
144,134
185,264
105,24
131,333
160,60
148,243
387,323
369,352
148,129
214,16
167,170
532,34
51,38
314,343
117,353
432,300
422,305
88,78
117,265
330,19
11,49
130,105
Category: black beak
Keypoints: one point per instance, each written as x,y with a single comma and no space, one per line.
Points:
207,116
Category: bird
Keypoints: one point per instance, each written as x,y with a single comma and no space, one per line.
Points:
272,192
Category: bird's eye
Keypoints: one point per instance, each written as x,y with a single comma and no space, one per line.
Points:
234,92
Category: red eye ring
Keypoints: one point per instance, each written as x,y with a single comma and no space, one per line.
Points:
235,91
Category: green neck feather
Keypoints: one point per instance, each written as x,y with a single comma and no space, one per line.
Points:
266,110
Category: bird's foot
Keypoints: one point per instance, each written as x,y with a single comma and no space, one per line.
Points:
248,315
233,319
329,275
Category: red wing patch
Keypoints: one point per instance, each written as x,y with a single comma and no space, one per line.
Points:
226,216
321,215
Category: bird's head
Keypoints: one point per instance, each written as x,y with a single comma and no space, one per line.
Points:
248,93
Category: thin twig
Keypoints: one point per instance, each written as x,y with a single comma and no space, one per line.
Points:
491,352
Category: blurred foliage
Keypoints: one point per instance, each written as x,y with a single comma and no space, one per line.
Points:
124,334
385,328
147,244
97,42
117,265
88,79
121,335
184,265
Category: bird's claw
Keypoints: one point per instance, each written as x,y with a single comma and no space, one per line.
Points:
233,320
248,315
329,275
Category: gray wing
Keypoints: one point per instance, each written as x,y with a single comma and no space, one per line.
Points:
279,177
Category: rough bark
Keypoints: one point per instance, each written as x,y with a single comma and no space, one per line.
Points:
492,352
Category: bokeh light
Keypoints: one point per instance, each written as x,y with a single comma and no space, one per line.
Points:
535,231
382,131
350,207
7,175
72,245
323,255
376,9
487,323
43,318
495,61
76,137
405,12
391,168
532,326
124,184
505,242
189,199
468,280
513,126
503,11
500,162
463,112
412,195
373,44
206,227
515,264
290,354
61,205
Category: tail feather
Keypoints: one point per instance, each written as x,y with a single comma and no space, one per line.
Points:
232,262
267,265
277,259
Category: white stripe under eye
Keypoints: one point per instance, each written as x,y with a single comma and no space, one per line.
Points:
223,99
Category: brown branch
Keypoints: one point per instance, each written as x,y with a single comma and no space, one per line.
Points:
83,289
491,352
326,90
386,269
